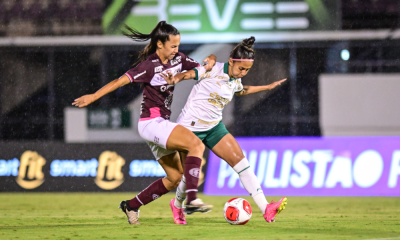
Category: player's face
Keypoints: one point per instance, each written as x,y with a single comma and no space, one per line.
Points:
239,69
170,48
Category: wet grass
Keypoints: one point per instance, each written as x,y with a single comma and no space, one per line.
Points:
96,216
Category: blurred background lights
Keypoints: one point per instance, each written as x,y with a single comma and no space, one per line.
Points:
345,54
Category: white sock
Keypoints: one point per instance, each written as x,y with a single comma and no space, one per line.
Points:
251,184
180,193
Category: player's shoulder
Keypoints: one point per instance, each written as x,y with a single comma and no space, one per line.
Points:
181,57
149,64
152,60
180,54
218,66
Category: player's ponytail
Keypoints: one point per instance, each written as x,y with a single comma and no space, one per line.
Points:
244,50
160,32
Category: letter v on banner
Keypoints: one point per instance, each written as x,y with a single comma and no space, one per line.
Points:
221,23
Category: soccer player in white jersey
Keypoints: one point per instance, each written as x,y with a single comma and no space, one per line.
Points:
202,115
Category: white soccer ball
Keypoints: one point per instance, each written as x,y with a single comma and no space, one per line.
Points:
237,211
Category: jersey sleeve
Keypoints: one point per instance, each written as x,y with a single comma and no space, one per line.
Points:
142,73
200,72
239,87
188,63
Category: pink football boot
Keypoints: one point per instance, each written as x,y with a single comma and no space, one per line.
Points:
274,208
179,216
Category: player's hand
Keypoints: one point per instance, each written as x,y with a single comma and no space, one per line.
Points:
209,62
169,78
83,101
275,84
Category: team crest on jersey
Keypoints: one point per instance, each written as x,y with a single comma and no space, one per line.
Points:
158,69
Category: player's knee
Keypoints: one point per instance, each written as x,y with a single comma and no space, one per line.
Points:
197,147
175,180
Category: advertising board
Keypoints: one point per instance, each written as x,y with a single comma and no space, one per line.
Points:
52,166
313,166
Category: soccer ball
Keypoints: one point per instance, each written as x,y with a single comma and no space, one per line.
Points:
237,211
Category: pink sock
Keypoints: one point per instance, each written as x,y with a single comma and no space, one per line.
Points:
192,172
151,193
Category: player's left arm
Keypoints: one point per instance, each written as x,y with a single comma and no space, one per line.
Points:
255,89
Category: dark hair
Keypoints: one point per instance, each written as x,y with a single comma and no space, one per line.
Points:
160,32
244,50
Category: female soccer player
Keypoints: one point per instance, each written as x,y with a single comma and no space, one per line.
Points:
164,137
202,115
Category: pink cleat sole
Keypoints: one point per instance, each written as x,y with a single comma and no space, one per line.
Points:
274,209
179,216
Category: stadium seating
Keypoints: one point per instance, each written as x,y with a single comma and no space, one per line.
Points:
50,17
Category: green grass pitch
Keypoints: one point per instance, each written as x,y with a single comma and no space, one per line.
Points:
96,216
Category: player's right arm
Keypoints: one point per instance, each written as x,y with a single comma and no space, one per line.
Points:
110,87
172,80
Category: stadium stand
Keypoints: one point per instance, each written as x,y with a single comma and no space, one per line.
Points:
50,17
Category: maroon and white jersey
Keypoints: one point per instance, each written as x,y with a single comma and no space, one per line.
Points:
157,94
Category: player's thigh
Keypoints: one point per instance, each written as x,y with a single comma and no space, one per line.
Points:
172,166
182,139
229,150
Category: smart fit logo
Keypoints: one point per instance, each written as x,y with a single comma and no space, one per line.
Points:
109,171
30,174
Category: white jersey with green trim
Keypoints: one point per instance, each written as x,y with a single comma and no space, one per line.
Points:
213,91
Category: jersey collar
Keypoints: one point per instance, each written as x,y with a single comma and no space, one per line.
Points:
226,70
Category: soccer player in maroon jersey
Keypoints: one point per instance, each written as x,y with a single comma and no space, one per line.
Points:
164,137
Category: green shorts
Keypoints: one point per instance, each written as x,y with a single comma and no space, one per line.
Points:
211,137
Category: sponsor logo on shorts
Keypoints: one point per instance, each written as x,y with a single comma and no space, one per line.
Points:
193,123
195,172
156,140
138,75
155,196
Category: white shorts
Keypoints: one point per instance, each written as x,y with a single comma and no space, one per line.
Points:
156,132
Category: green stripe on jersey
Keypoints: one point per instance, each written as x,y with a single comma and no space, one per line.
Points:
197,74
